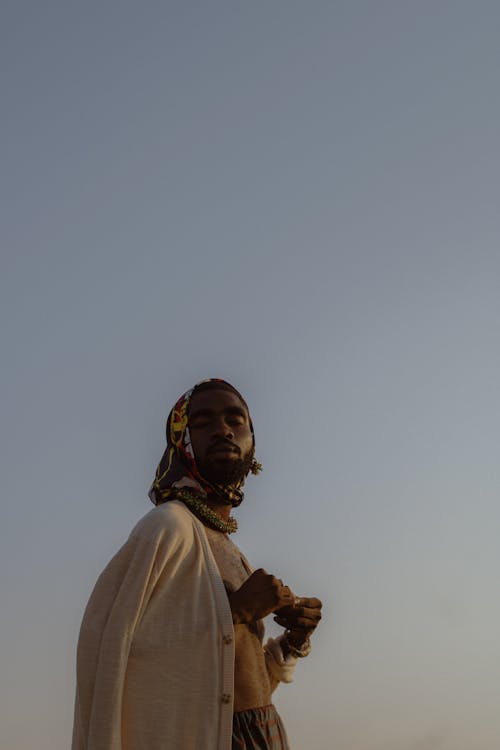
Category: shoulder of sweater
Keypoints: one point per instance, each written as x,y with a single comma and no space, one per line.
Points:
169,519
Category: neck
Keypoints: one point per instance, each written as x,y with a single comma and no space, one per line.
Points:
222,510
207,513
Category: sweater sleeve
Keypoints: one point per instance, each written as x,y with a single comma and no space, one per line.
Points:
113,613
279,668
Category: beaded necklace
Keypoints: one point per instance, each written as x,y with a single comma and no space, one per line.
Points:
204,513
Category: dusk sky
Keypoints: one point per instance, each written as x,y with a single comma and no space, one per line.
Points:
303,199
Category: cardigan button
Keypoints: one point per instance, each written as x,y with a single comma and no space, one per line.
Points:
226,698
227,639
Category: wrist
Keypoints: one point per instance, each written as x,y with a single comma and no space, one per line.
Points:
296,645
280,665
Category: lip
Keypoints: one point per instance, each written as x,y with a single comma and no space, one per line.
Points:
223,450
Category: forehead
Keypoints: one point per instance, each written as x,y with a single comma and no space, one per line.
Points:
216,400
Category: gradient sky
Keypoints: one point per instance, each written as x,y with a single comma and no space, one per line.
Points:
302,198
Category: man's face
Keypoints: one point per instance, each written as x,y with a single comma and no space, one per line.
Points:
221,437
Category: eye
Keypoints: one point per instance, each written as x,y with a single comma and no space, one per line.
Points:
236,420
198,423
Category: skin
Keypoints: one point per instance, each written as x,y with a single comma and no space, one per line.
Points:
220,431
219,426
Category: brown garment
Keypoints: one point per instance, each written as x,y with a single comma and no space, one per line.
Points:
259,729
252,685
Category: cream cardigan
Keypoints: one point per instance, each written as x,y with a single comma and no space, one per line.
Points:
155,660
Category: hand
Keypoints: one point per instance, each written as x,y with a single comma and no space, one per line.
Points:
300,619
260,595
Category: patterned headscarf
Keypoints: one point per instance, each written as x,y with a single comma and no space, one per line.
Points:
178,469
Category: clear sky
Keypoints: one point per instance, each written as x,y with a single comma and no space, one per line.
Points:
302,198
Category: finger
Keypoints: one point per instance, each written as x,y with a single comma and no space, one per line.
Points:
279,606
286,594
304,623
285,611
297,622
279,621
310,602
300,623
312,614
290,613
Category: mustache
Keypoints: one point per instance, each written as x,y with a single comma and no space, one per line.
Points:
223,444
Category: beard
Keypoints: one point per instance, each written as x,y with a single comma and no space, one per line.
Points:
226,472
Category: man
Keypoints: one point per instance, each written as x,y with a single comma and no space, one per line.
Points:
170,654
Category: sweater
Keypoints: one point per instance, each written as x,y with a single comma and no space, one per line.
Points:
155,657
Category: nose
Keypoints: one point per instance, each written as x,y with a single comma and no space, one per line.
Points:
222,429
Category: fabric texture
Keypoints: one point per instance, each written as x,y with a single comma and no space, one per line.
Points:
256,675
259,729
277,666
157,641
178,461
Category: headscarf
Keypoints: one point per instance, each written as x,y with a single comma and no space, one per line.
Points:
177,468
